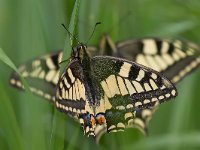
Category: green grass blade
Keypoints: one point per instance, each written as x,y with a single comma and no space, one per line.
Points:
57,133
58,126
7,61
69,42
74,20
4,58
11,131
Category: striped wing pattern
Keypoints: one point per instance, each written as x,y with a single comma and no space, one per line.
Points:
174,58
129,85
71,92
123,90
129,93
41,74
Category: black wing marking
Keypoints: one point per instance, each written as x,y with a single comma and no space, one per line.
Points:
41,74
174,58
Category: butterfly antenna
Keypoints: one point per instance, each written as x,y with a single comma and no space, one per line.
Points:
71,35
93,31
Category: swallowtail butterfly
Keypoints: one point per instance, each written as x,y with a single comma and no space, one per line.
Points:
42,75
108,90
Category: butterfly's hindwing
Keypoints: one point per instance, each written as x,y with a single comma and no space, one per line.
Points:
118,120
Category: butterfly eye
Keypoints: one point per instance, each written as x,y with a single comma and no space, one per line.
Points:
100,119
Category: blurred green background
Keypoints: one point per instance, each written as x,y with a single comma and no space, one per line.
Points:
30,28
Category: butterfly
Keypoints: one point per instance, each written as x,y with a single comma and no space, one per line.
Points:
45,71
106,90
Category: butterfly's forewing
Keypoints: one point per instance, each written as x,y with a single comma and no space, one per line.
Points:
71,92
139,85
174,58
41,74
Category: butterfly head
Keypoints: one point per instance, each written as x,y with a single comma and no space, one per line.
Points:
80,52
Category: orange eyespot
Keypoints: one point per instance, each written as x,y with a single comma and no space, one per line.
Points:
100,119
92,120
